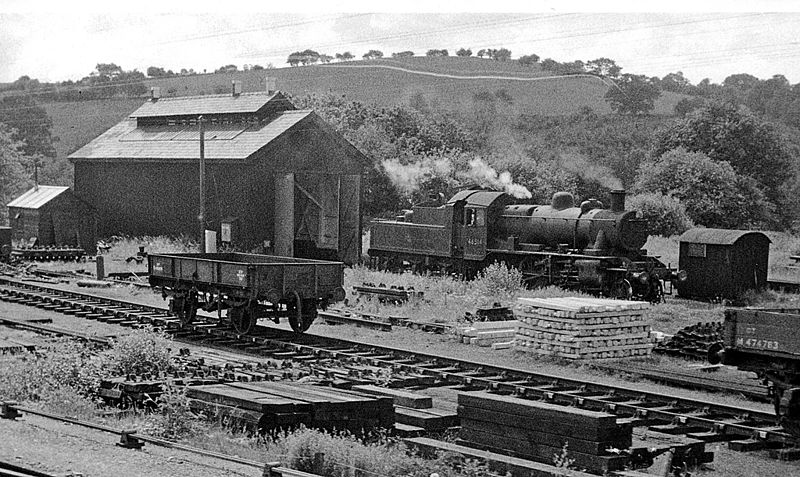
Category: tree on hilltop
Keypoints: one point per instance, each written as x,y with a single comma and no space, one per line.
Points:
528,60
403,54
464,52
603,67
437,53
346,56
633,94
373,55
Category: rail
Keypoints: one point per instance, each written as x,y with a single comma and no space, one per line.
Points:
728,422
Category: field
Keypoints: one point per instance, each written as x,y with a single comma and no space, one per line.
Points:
370,82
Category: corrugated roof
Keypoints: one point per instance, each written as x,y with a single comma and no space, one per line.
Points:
127,141
208,104
37,197
717,236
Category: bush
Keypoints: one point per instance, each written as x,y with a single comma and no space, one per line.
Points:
665,215
67,376
498,279
344,455
144,351
174,419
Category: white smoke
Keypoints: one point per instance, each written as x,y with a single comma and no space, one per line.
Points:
485,176
407,177
579,165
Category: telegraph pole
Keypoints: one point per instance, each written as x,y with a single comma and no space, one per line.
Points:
202,216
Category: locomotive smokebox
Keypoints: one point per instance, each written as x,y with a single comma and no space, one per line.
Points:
618,200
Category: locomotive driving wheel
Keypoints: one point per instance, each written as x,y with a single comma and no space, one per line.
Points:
300,315
242,319
534,273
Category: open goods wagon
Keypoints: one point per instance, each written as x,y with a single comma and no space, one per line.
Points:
247,286
766,342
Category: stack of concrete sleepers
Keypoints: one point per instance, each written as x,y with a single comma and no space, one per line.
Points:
582,328
268,406
488,333
539,431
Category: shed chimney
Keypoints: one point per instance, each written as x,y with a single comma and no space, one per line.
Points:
236,88
618,200
155,93
272,83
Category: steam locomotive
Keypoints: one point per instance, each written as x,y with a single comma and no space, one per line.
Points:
588,247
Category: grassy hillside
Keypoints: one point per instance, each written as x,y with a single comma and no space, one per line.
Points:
371,82
75,124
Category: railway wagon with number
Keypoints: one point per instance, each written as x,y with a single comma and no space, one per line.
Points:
247,286
766,342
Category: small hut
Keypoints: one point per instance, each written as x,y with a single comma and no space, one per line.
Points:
723,263
49,216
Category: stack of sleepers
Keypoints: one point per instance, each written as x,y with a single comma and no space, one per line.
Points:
582,328
539,431
488,333
268,406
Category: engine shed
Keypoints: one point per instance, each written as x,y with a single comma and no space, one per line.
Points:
277,179
722,263
52,216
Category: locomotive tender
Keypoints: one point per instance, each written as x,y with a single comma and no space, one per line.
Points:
587,247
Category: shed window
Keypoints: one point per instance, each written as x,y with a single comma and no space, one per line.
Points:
697,250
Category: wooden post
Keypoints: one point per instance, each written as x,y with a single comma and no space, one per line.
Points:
101,268
202,217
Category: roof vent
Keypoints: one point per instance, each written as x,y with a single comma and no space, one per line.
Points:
236,88
272,84
155,93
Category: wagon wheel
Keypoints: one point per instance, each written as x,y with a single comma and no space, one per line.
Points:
622,290
300,318
186,308
242,319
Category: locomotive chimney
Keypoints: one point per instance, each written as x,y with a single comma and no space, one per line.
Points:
618,200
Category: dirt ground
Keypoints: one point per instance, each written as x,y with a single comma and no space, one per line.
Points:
57,448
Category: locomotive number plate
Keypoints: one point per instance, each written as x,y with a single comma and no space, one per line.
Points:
758,344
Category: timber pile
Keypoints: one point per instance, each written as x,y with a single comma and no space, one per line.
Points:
582,328
488,333
539,431
268,406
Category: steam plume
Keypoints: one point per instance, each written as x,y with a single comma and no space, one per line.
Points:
588,171
485,176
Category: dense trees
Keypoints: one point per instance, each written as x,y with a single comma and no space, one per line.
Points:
713,194
14,178
464,52
726,133
346,56
633,94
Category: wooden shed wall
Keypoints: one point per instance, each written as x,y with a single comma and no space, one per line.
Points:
162,198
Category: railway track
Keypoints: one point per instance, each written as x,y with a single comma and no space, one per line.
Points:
706,420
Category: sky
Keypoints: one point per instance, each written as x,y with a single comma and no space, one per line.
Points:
57,41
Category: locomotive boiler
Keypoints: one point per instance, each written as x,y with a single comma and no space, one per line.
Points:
587,247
